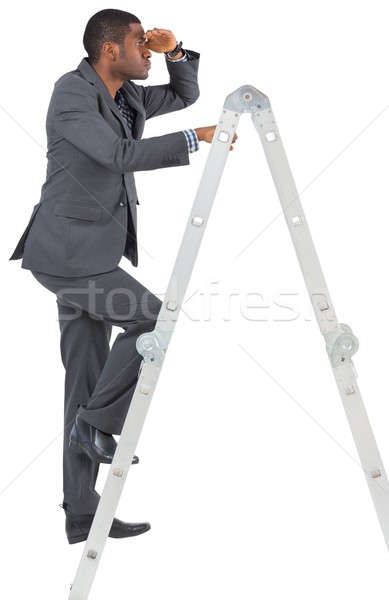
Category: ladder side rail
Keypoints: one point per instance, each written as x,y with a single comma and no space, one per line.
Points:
340,341
198,219
153,346
369,454
296,220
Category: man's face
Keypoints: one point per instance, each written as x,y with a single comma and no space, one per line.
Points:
133,61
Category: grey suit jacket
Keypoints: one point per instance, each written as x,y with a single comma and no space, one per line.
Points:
86,218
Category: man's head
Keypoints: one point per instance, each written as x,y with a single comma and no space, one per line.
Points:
109,25
114,40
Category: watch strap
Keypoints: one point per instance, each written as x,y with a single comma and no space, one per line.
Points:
174,52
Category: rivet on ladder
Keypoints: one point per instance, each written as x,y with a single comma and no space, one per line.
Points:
118,472
171,305
197,221
145,390
296,221
350,390
375,473
92,554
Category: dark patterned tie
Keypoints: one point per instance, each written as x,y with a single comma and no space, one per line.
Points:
126,111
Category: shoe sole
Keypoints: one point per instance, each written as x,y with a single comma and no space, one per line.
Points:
75,539
76,448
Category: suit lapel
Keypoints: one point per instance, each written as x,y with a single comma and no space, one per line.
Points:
139,111
129,94
90,75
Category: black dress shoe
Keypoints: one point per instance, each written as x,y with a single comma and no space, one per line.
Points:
97,445
78,526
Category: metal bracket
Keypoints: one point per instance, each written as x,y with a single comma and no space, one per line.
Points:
247,99
341,345
153,346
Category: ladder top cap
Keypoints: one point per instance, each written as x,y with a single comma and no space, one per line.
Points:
247,99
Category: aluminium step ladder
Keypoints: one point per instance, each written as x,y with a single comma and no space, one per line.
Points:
341,344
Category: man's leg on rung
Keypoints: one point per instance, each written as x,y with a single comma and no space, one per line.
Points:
115,298
134,309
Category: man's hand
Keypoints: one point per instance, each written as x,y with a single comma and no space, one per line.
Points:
160,40
205,134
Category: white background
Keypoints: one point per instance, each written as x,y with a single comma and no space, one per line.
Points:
248,471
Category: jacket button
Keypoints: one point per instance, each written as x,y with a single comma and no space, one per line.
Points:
121,203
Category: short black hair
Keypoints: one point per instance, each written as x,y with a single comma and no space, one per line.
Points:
108,25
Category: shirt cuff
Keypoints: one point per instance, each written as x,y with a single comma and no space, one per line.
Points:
191,140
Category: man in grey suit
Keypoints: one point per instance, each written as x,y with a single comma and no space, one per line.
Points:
86,221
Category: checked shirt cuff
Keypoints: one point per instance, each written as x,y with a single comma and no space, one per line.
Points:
191,140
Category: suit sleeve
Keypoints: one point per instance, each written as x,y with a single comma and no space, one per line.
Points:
181,91
76,118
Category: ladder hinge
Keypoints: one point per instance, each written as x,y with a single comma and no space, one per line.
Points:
153,346
247,99
341,345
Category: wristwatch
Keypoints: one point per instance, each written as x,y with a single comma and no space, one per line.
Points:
174,52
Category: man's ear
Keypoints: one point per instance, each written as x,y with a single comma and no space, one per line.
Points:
110,51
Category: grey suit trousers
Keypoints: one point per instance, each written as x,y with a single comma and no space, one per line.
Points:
98,377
